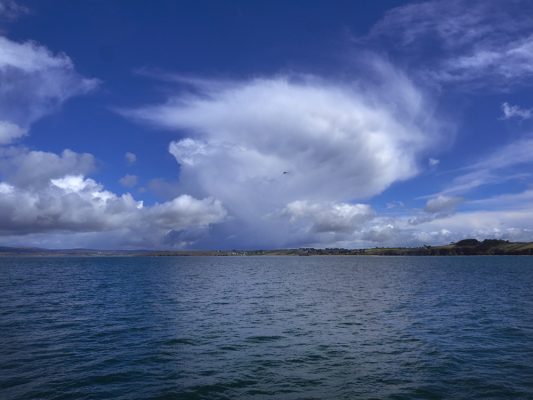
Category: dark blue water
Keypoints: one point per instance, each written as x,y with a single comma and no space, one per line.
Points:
266,328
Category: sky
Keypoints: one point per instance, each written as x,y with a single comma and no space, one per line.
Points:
239,125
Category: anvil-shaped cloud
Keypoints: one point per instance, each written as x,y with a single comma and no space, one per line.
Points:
262,144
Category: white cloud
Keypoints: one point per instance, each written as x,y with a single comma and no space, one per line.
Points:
478,43
506,216
503,223
441,204
432,162
25,168
10,132
494,168
185,212
505,64
77,204
395,204
261,144
386,233
328,217
73,211
453,22
36,82
129,180
39,195
515,201
510,111
131,158
437,207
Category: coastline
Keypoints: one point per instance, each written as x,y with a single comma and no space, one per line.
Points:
467,247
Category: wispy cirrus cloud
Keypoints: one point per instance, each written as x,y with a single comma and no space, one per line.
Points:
474,44
496,167
516,201
10,9
513,111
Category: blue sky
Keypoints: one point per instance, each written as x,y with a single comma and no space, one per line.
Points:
208,124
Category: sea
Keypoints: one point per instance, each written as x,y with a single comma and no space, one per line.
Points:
270,327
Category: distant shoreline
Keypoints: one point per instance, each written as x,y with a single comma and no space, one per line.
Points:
467,247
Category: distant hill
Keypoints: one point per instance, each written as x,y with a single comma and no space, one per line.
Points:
464,247
35,251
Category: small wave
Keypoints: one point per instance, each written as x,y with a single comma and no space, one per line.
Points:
178,341
261,339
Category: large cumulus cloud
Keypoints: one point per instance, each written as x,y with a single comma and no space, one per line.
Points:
24,168
261,144
77,204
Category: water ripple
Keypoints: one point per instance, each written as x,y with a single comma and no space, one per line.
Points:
266,328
